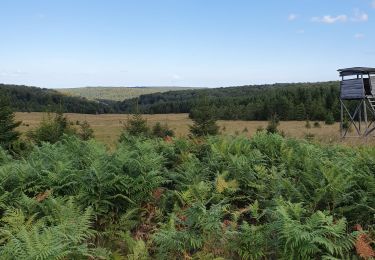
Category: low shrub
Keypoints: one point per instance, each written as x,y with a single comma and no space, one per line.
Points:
162,131
267,197
51,129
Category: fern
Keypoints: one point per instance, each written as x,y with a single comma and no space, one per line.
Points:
64,234
305,237
267,197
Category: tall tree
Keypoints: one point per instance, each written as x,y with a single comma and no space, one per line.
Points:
8,134
204,119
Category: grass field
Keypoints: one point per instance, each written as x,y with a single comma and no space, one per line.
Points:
115,93
108,127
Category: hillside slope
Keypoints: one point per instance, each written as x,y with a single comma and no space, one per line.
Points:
115,93
33,99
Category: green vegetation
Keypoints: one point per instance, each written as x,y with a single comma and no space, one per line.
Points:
136,125
115,93
299,101
220,197
54,126
273,124
8,134
162,131
32,99
86,132
204,120
51,129
329,120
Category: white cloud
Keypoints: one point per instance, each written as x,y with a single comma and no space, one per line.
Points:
176,77
373,4
292,17
330,19
359,35
359,16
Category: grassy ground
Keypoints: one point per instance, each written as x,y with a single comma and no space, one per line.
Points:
108,127
115,93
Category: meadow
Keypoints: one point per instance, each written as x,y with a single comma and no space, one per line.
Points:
116,93
107,128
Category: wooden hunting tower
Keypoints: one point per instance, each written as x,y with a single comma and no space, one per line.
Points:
357,85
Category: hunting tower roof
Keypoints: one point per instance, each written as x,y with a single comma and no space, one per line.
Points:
356,71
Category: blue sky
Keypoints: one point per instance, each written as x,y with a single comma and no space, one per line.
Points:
208,43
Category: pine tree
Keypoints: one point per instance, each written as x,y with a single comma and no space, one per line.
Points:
51,129
159,130
86,132
137,126
8,134
300,112
330,120
273,124
204,120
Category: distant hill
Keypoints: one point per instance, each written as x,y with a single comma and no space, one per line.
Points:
115,93
33,99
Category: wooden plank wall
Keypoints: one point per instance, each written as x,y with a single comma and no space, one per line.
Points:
352,89
372,80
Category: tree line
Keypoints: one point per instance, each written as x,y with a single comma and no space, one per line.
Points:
297,101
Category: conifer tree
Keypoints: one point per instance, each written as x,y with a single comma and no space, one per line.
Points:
86,132
273,124
137,125
300,112
329,120
159,130
8,134
51,129
204,120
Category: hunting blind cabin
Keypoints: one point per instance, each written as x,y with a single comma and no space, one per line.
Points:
357,101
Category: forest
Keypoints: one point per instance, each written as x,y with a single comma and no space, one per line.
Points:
298,101
34,99
292,101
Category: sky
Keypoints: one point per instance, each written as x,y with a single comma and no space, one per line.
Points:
200,43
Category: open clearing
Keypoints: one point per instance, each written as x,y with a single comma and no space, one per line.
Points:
107,127
115,93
